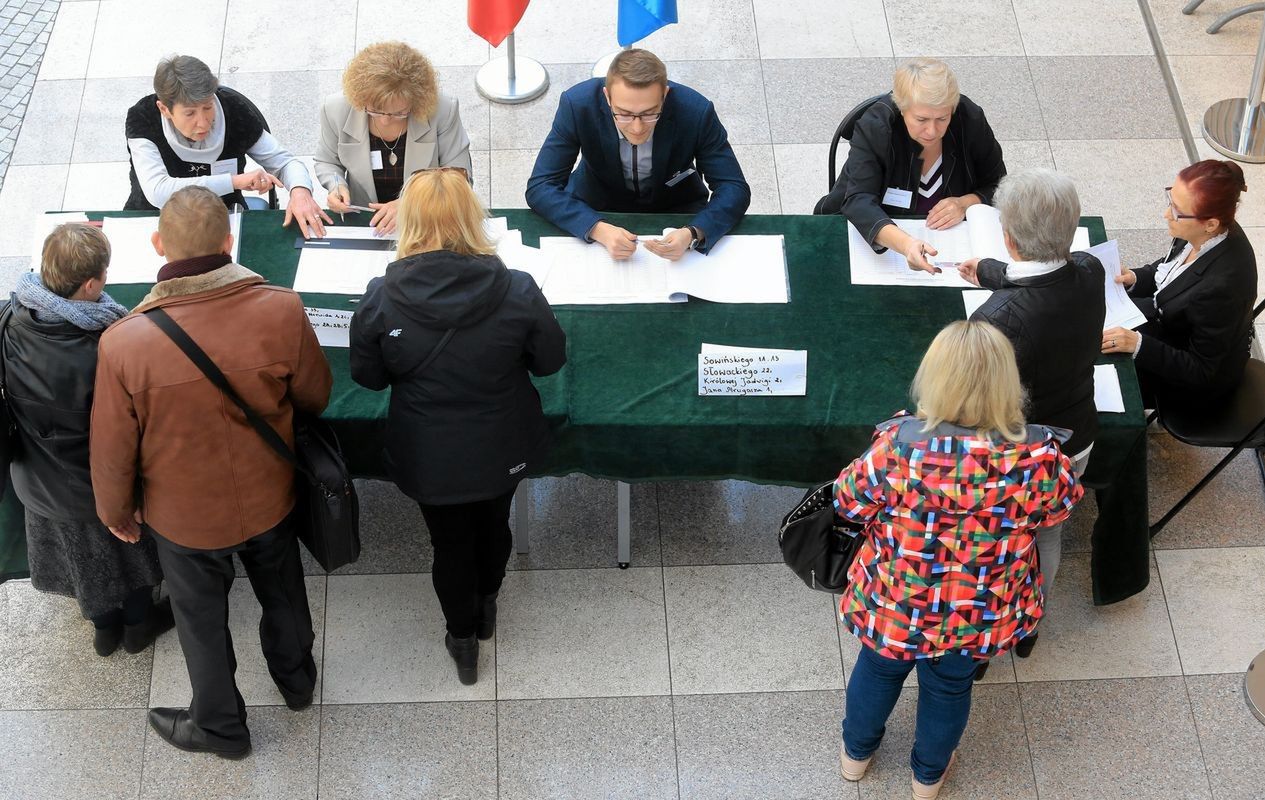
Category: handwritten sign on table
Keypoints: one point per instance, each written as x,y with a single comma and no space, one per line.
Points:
747,371
332,327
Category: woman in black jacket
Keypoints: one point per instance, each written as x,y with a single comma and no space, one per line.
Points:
455,334
1198,298
49,340
922,150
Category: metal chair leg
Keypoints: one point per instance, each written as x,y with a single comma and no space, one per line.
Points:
1234,452
1190,7
1220,22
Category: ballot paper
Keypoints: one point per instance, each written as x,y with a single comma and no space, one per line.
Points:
132,255
42,225
1122,312
973,299
332,326
739,269
724,370
516,255
1107,394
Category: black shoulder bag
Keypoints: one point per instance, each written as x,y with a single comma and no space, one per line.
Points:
818,545
8,425
327,513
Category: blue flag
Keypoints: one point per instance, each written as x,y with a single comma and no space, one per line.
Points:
640,18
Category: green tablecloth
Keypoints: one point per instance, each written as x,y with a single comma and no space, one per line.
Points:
626,405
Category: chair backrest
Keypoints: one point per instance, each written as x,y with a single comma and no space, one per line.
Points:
844,133
272,193
1256,312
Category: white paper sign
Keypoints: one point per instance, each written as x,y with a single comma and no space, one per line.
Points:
332,327
746,371
1107,394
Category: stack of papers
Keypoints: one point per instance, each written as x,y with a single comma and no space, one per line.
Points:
42,226
132,255
724,370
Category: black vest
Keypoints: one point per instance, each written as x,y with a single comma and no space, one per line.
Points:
243,125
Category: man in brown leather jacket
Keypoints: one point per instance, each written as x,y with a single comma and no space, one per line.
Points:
173,458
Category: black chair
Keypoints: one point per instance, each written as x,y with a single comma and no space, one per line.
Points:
1237,424
258,203
843,133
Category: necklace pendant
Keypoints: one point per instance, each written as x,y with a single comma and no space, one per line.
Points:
392,159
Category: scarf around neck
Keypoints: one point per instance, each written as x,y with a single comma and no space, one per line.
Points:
46,306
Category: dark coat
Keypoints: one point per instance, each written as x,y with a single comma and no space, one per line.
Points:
470,426
688,135
883,156
49,371
1055,323
1199,329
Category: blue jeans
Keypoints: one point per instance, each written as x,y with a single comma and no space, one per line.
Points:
944,703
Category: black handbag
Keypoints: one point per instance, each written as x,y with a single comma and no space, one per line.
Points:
327,512
8,424
818,545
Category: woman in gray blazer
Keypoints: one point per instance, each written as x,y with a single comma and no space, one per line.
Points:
390,121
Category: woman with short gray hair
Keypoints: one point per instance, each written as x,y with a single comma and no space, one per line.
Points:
1049,302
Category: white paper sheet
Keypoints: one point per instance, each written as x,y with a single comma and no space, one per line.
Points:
333,327
1121,310
890,269
1107,394
725,370
739,269
519,256
42,225
972,299
132,255
339,271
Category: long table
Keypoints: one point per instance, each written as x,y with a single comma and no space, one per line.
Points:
626,405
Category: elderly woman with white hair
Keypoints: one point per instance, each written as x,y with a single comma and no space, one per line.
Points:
1049,302
923,149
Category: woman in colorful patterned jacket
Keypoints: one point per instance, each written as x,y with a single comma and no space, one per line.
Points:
947,575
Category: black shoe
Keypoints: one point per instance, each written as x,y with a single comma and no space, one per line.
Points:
297,702
175,727
487,617
466,653
106,640
1024,648
141,635
980,671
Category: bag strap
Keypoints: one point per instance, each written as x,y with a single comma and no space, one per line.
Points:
203,362
434,353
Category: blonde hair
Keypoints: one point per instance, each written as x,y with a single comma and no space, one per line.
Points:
969,377
193,222
637,68
388,71
439,211
73,253
925,81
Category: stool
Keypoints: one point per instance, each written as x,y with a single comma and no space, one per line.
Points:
1254,686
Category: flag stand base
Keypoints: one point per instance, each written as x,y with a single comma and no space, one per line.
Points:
511,79
604,63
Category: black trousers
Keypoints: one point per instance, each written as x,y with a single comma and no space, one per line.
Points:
472,545
198,582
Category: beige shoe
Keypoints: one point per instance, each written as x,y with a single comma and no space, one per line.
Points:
924,792
850,768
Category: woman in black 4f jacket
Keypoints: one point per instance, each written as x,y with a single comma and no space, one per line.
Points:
455,334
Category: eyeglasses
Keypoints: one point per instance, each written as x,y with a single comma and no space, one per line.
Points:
649,117
459,170
389,114
1168,198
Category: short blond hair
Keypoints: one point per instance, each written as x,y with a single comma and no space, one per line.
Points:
638,69
925,81
439,211
969,377
193,222
73,253
389,71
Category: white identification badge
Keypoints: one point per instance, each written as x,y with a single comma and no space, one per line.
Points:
225,166
898,198
375,160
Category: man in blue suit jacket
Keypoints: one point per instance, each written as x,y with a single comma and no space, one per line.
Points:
646,145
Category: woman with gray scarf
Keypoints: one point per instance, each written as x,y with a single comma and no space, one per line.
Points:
48,343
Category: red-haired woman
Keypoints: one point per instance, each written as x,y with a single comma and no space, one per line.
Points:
1198,298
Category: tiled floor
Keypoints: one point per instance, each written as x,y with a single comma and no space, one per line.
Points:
705,671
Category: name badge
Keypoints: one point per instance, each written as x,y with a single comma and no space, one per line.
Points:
225,166
898,198
680,176
375,160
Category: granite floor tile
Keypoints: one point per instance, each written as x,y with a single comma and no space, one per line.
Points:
1003,86
718,29
48,128
47,660
1101,739
70,44
582,633
119,51
393,535
1082,28
736,88
760,172
808,96
822,29
573,525
1103,97
759,746
749,628
802,174
481,163
476,110
99,135
525,126
993,745
385,644
30,191
722,522
1203,80
1027,155
1251,210
1229,512
953,28
1214,601
11,267
1140,247
510,171
1078,535
1230,738
1186,34
97,186
318,191
560,32
599,747
441,33
1079,641
169,686
1121,179
290,102
57,755
402,752
285,749
287,35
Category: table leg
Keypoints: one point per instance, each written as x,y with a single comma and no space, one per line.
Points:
623,542
522,504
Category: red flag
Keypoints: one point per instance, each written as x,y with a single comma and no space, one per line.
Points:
494,19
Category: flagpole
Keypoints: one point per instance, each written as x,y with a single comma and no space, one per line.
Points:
512,78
